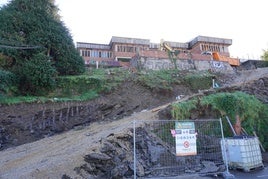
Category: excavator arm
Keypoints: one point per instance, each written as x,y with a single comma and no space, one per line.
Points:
164,46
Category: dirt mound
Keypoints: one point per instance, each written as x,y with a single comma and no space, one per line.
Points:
253,82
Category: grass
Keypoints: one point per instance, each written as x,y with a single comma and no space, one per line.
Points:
96,81
76,88
162,79
22,99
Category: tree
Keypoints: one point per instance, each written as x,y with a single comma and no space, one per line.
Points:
37,75
172,55
265,55
7,85
30,27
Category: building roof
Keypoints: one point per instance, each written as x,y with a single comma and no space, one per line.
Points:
129,40
92,45
178,44
138,41
210,40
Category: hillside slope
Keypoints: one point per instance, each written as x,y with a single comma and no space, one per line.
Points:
58,155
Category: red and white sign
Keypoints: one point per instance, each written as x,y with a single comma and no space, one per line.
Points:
185,137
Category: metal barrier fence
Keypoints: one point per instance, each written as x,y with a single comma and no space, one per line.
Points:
166,148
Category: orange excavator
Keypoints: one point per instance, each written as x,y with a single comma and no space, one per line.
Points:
232,61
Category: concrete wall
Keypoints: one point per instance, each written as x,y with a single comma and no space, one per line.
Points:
159,64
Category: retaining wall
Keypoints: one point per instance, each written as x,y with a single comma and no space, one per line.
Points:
160,64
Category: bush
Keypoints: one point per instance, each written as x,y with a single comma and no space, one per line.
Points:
76,85
247,106
7,83
37,76
70,63
182,110
252,112
94,82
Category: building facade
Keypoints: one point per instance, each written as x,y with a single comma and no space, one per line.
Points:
121,50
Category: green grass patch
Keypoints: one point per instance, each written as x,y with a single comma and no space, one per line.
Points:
162,79
183,109
76,88
198,81
22,99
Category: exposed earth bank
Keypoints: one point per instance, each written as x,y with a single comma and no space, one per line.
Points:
92,124
25,123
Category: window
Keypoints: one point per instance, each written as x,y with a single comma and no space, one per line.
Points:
94,53
104,54
130,49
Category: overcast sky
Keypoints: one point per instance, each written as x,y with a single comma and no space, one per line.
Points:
243,21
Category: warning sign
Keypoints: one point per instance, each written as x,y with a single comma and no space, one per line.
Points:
185,137
186,144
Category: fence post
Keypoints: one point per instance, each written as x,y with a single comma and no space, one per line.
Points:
134,147
226,174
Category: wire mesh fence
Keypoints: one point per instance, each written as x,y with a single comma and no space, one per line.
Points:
164,148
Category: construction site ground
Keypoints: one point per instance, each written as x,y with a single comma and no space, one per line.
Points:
58,155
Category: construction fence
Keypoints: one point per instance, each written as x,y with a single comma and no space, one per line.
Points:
166,148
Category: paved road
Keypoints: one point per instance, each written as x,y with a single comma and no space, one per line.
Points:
237,174
258,174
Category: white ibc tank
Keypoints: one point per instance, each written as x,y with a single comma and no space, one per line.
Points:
243,153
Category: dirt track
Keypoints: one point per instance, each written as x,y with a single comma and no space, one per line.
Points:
60,154
57,155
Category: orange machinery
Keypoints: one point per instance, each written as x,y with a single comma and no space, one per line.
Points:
232,61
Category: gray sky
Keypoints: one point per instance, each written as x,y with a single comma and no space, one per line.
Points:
243,21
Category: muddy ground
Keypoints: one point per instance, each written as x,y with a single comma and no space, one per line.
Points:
90,122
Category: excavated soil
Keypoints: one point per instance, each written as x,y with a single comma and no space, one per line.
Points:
23,123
